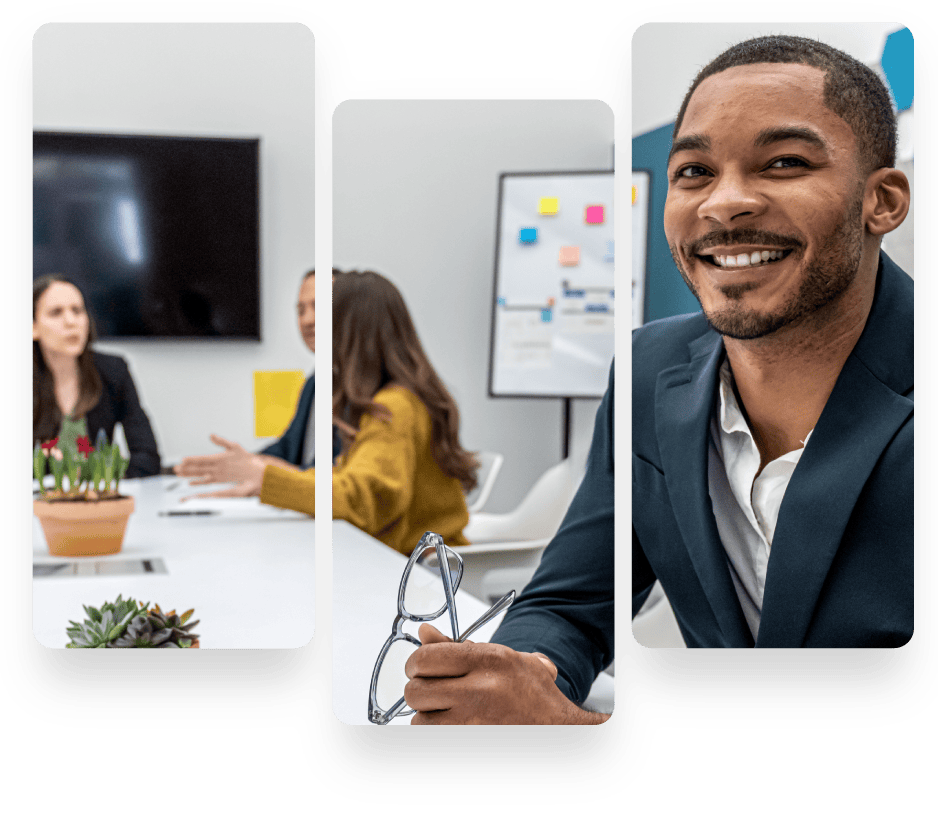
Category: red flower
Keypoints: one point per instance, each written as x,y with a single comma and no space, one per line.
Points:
84,447
50,444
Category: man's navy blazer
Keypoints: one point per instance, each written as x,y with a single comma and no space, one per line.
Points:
290,445
566,611
840,570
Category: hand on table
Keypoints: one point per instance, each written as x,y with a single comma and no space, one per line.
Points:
235,464
470,683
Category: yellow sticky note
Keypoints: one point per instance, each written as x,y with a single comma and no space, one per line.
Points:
275,397
548,206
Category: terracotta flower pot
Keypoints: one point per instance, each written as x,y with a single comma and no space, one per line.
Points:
84,528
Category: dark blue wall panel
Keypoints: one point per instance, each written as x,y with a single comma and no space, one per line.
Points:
665,292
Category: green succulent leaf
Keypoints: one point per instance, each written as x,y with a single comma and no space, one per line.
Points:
72,471
58,470
126,623
39,465
160,636
115,464
97,473
122,469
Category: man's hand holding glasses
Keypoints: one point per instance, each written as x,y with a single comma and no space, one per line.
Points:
417,601
454,681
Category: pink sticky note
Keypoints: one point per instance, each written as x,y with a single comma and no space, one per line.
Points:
595,214
570,255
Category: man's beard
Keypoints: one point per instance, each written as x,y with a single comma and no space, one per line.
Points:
826,277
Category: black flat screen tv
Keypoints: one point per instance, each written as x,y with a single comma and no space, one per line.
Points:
161,233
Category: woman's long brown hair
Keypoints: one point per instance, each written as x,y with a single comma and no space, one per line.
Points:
374,344
47,417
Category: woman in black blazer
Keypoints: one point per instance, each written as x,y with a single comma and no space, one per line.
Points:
95,389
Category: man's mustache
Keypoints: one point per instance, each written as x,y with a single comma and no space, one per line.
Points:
743,236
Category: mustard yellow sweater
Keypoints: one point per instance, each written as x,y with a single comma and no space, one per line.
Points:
387,483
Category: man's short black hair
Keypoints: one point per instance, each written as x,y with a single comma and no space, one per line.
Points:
851,90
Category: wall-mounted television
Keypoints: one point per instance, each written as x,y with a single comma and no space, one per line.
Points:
161,233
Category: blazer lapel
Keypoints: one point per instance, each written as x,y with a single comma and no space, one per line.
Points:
865,409
684,403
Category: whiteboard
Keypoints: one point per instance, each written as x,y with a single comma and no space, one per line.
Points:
641,208
553,306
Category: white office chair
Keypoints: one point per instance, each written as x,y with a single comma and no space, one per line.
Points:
513,542
490,464
655,626
539,514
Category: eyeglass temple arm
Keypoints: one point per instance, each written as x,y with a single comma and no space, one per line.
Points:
501,605
446,575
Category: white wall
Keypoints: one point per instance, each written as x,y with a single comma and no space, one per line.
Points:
415,186
667,56
232,80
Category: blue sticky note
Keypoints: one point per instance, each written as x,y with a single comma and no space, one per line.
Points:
546,314
527,235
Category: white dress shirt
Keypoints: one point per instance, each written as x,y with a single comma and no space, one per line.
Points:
745,506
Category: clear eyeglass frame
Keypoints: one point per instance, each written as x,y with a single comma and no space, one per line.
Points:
444,555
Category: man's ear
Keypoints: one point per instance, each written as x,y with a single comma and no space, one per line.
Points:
887,200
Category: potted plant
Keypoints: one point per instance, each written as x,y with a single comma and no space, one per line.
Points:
125,623
83,514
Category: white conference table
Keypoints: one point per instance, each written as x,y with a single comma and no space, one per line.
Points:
366,575
248,569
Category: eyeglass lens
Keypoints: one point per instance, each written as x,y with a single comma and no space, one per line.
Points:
423,592
391,679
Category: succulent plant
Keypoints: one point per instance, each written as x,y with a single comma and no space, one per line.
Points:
125,623
104,625
157,629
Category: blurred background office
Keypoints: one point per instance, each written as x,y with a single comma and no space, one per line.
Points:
472,209
214,88
416,189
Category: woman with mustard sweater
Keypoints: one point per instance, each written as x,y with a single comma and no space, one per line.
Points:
402,471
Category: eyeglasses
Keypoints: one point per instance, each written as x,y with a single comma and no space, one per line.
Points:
415,600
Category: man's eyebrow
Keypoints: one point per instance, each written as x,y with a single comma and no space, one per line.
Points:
774,135
771,135
695,141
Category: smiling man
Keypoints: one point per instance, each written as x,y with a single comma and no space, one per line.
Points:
771,434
